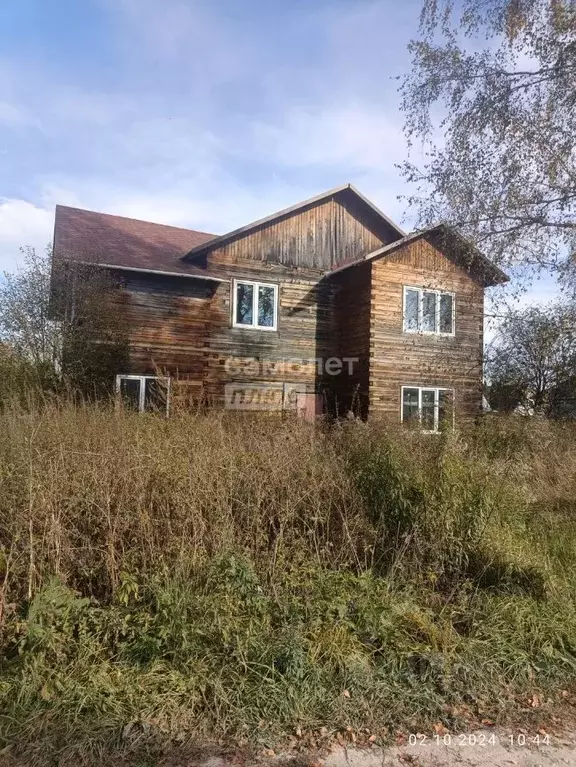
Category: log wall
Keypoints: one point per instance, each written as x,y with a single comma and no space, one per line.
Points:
184,327
402,359
353,307
168,319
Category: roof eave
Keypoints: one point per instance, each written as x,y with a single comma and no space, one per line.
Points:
498,277
164,273
287,211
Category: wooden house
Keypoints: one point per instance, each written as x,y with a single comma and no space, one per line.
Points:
324,306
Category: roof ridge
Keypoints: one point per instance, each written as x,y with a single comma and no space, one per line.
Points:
293,209
138,220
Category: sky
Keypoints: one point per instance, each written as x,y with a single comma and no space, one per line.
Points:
206,114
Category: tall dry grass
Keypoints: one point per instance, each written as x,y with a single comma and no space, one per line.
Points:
88,493
210,575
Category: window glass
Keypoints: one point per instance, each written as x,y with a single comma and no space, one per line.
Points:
244,304
446,313
256,305
130,392
444,409
411,310
155,394
432,407
266,306
144,392
410,405
428,406
429,311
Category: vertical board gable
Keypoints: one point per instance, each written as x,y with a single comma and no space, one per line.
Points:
430,257
317,237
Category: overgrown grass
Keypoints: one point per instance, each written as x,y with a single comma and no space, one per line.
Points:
208,576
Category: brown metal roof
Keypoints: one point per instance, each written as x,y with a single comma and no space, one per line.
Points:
126,243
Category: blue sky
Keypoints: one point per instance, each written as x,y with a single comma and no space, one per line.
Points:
198,113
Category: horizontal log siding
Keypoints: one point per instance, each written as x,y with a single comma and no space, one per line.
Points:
353,323
185,328
400,359
292,252
168,320
306,325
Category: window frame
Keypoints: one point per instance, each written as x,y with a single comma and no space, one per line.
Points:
421,389
421,292
142,394
256,284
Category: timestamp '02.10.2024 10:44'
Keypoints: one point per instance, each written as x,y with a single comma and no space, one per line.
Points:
479,739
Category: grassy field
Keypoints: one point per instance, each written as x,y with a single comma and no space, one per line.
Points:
208,577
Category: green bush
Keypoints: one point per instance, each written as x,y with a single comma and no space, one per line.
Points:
206,577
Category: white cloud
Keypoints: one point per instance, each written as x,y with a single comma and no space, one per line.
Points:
353,137
212,117
13,116
186,43
213,202
166,28
164,144
69,107
22,224
344,142
10,114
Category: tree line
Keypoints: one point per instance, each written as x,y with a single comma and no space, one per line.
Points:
62,328
531,364
489,101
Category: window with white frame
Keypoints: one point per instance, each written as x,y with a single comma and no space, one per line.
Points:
144,393
255,305
428,311
431,408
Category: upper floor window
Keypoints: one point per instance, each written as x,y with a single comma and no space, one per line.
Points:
428,311
255,305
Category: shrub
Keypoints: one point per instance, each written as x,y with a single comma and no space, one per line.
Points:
207,576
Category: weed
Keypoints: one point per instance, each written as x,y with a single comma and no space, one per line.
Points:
209,577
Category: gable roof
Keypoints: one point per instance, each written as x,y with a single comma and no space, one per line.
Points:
125,243
129,244
339,190
447,240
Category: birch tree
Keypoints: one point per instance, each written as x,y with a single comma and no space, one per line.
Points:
491,100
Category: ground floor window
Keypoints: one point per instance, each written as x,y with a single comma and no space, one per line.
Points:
144,393
431,407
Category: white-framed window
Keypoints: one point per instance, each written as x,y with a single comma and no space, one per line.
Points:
429,311
254,305
429,406
144,393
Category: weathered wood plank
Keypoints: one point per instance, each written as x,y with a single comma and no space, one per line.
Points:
398,359
312,239
185,328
